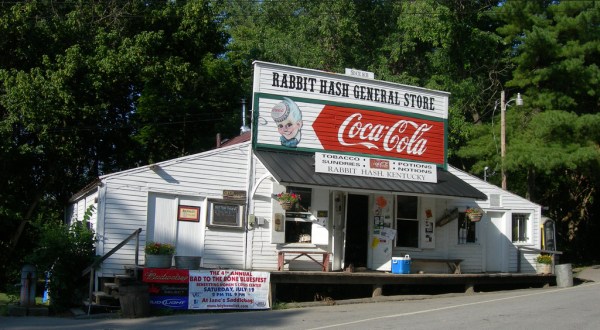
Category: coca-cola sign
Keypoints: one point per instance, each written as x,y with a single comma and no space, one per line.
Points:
380,133
353,165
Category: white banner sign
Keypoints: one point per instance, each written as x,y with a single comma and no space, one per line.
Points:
374,167
228,289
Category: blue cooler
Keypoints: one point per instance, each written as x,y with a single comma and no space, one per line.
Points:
401,265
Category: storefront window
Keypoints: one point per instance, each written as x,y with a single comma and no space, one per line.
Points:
305,198
298,226
467,230
407,222
298,231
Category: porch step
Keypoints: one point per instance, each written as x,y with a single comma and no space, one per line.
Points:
105,299
111,289
130,270
95,308
124,279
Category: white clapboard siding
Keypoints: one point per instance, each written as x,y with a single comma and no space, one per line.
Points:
224,249
125,197
76,211
473,255
263,252
502,202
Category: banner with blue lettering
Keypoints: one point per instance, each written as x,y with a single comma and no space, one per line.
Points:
229,289
207,289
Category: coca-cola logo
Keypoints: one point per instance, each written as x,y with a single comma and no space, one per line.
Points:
379,164
380,133
398,137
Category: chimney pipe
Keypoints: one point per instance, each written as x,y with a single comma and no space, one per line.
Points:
244,128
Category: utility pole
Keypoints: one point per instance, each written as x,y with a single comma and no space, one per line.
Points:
502,137
503,104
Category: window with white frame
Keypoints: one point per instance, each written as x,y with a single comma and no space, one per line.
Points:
298,225
407,221
519,227
467,230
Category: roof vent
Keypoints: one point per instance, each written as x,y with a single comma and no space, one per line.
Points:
495,200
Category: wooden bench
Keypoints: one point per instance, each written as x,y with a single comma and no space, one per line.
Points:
281,262
453,264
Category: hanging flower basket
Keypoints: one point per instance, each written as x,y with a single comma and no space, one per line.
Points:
474,214
286,206
287,200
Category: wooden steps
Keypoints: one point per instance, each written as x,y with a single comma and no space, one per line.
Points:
107,300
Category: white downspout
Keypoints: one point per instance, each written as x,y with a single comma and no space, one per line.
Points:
249,203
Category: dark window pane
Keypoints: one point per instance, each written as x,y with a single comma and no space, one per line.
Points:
408,233
466,230
298,231
305,197
407,207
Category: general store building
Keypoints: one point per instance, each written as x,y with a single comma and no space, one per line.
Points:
367,157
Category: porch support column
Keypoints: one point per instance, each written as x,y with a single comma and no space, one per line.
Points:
377,290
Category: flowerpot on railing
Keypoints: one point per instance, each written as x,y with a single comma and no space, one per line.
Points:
158,260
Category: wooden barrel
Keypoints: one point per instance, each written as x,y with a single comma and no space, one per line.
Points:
135,300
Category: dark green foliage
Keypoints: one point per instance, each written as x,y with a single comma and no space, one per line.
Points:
64,252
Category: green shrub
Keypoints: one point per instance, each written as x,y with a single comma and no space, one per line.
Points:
64,252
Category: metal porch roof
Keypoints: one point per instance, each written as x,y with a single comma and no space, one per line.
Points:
299,168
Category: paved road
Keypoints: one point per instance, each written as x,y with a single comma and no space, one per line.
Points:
551,308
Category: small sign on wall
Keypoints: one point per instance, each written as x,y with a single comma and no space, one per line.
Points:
188,213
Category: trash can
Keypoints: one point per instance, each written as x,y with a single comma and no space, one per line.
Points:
134,299
564,275
401,265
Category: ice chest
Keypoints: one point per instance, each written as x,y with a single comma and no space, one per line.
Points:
401,265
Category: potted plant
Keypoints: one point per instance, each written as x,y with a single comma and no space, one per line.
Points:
474,214
544,264
159,255
287,200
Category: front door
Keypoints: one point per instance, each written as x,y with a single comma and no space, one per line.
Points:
357,231
495,243
338,201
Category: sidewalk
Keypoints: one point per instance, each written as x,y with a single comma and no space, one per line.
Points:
590,273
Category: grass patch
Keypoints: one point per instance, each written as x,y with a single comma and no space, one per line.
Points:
5,300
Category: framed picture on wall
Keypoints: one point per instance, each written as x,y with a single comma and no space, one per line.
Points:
188,213
223,213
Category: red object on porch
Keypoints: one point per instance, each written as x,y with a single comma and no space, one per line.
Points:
281,258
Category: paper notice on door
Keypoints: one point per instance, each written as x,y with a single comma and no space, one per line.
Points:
388,233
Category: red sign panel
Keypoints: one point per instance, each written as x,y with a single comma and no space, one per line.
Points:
382,134
165,275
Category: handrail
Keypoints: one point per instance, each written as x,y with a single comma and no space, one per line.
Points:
111,252
519,248
91,268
